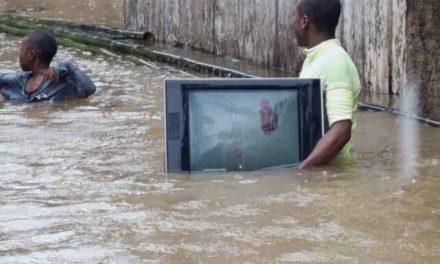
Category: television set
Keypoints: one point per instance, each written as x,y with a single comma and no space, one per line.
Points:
240,124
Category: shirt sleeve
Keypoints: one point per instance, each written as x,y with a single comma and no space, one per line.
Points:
11,85
2,84
84,85
339,102
2,76
6,78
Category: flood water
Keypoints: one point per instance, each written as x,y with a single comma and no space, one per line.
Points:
85,11
83,182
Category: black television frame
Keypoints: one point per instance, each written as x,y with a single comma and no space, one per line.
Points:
176,121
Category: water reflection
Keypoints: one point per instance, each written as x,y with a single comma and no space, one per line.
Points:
82,181
107,12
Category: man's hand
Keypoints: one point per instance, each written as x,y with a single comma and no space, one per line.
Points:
329,146
52,74
269,118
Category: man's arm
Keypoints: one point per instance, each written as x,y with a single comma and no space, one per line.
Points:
1,95
85,86
3,82
11,86
83,83
329,146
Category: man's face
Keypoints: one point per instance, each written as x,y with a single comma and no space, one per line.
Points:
299,27
27,56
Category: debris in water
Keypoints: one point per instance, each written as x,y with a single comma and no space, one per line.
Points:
27,10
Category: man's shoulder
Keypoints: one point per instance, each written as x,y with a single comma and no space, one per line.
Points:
336,65
335,56
13,79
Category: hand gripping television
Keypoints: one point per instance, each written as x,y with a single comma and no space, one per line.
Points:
241,124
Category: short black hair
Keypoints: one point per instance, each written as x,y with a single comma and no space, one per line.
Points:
43,44
324,13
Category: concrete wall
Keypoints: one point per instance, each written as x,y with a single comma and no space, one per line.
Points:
385,38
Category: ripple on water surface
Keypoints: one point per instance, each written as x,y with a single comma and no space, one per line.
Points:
82,181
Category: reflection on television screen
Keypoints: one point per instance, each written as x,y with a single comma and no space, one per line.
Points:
239,130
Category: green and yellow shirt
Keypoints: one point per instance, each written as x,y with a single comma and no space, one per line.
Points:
330,63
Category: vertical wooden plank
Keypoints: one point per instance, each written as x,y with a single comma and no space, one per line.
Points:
352,32
398,45
287,54
259,25
423,54
130,14
171,22
377,47
226,24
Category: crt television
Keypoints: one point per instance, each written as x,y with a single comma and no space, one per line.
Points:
240,124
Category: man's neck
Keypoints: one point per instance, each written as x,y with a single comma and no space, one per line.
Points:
36,78
39,71
316,39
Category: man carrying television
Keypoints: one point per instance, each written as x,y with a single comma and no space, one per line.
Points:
315,23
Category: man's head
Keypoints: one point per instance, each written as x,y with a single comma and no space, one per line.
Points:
37,49
316,17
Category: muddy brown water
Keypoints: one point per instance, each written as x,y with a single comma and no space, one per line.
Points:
107,12
83,182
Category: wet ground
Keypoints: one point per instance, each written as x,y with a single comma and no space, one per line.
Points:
82,182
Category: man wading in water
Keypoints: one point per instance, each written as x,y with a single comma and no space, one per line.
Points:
315,23
40,82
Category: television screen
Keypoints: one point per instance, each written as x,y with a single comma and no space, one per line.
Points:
236,130
240,124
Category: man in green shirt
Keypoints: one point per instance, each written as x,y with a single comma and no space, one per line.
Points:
315,23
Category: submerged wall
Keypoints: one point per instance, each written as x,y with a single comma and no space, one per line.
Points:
383,37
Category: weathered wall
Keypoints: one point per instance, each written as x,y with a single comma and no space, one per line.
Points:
261,31
373,32
256,30
423,54
386,39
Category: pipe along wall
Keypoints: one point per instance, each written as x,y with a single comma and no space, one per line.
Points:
395,44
